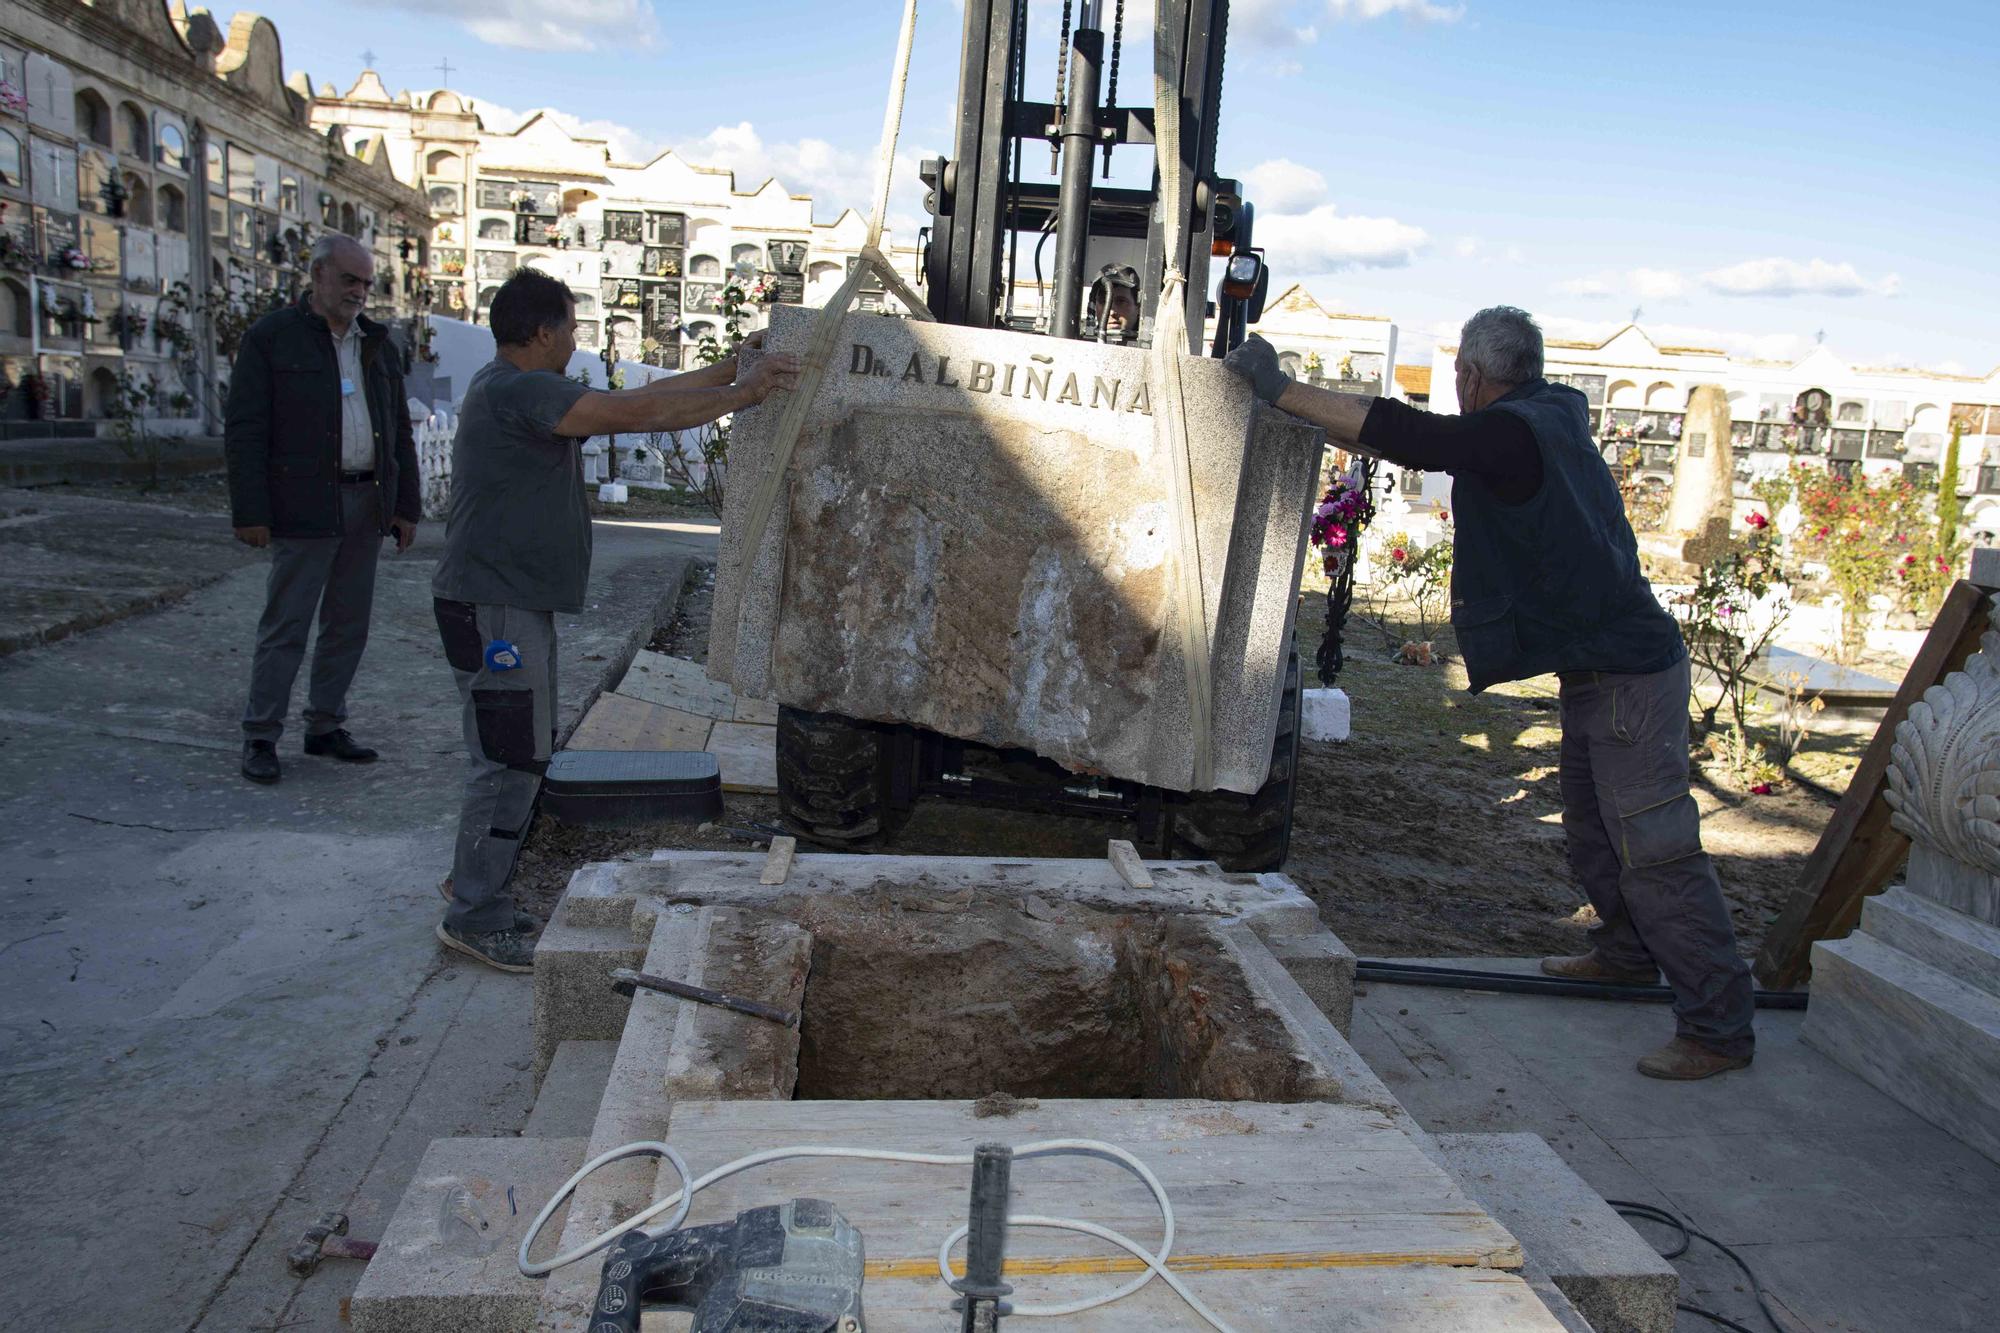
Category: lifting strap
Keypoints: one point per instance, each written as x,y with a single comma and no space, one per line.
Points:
1170,413
827,328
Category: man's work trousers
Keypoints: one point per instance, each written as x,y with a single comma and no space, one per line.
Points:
333,577
1635,844
509,735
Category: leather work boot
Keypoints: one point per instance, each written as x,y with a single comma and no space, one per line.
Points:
260,761
508,950
1685,1060
341,746
1589,967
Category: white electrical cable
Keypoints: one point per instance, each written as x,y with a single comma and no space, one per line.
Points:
680,1200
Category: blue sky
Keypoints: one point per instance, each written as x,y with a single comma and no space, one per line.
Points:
1749,174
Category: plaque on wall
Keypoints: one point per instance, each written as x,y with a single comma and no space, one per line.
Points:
624,294
624,227
790,288
788,257
703,296
661,261
58,231
586,333
496,264
1697,444
1847,444
1885,444
666,229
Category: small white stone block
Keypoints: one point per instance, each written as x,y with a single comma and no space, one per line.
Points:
1326,715
612,493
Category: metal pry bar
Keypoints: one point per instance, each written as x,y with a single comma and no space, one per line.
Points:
624,980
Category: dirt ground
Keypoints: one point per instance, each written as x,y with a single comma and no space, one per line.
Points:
1436,830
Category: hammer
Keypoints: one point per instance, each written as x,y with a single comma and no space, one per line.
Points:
326,1239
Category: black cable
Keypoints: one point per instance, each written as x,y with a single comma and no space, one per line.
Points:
1653,1213
1515,983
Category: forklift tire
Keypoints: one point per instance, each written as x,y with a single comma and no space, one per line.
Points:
1238,832
832,783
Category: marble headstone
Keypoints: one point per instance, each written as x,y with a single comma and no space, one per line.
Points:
976,536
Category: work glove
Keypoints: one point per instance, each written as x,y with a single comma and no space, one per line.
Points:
1257,361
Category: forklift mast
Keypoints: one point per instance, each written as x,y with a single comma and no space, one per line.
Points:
983,212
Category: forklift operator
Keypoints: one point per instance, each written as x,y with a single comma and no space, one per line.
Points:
1546,578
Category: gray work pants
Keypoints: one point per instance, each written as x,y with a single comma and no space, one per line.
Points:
1635,843
333,577
510,720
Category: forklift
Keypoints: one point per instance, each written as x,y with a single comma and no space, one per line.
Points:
852,782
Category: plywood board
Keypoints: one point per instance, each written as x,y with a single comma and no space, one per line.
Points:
677,683
748,754
1858,851
617,722
1304,1216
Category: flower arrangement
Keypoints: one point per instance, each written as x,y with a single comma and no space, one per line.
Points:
1339,519
128,325
12,99
71,257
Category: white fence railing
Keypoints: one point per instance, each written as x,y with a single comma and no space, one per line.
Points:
435,431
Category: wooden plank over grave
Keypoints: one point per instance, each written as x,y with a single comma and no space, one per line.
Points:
1858,852
1284,1213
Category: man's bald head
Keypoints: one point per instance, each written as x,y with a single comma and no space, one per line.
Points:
342,273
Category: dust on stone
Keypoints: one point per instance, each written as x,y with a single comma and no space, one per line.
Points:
1002,1104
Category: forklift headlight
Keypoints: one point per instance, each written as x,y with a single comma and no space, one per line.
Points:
1239,278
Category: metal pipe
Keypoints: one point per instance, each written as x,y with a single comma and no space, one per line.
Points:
1079,154
1515,983
981,1292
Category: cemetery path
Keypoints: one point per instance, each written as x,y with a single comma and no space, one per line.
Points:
222,1010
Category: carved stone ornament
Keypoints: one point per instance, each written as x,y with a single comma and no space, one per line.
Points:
1944,771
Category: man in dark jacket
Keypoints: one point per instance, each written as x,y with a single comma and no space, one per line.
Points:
1545,578
322,466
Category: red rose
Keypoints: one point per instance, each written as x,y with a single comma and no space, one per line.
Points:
1399,555
1758,521
1761,789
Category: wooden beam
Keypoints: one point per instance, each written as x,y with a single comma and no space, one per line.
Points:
1858,852
1125,860
778,861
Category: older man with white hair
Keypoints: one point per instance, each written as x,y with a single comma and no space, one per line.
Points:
1546,578
322,466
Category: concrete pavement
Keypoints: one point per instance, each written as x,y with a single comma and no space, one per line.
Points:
221,1007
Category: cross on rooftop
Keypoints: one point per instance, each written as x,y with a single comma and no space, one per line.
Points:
368,60
444,70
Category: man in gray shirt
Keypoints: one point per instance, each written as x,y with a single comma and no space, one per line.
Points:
517,550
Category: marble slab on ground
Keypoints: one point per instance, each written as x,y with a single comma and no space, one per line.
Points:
619,722
1819,676
976,535
1283,1212
677,683
748,754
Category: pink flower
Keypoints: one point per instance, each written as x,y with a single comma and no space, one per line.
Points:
1761,789
1758,521
1327,509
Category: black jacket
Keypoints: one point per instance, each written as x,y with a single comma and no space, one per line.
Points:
282,436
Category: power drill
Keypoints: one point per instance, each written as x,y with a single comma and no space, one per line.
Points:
783,1268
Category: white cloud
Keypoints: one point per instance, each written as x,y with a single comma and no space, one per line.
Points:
1284,186
1323,240
582,25
1789,277
1647,284
1422,11
1268,23
1287,69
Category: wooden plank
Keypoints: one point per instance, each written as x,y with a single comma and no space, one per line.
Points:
756,710
1858,852
748,754
778,861
1125,860
677,683
616,722
1283,1213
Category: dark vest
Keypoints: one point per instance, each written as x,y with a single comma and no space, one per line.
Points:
1553,584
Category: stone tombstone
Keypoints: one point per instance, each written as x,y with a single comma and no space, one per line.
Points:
1705,475
1911,1000
976,536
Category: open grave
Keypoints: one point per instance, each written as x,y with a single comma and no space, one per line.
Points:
1194,1017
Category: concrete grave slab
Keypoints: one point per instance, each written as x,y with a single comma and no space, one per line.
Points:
1613,1276
748,753
976,536
447,1259
676,683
